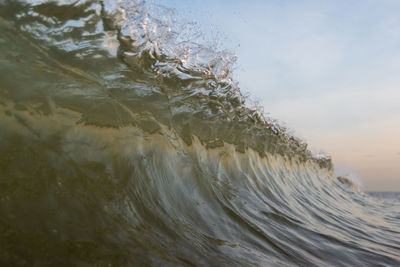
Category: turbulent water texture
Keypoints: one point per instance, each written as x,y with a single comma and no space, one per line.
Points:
125,142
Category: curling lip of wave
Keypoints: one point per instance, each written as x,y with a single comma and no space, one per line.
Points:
151,43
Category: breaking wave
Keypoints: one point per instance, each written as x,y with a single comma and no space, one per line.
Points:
125,141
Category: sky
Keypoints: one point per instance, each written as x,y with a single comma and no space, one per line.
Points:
330,70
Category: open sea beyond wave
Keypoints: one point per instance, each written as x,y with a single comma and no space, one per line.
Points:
124,141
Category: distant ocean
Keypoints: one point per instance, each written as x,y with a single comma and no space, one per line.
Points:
125,141
389,196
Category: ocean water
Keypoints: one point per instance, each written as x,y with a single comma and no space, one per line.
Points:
124,141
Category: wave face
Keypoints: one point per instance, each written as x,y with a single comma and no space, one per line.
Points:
124,141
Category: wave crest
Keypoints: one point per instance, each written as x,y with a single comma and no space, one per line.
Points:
125,142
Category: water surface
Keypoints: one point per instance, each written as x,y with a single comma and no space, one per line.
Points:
125,142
